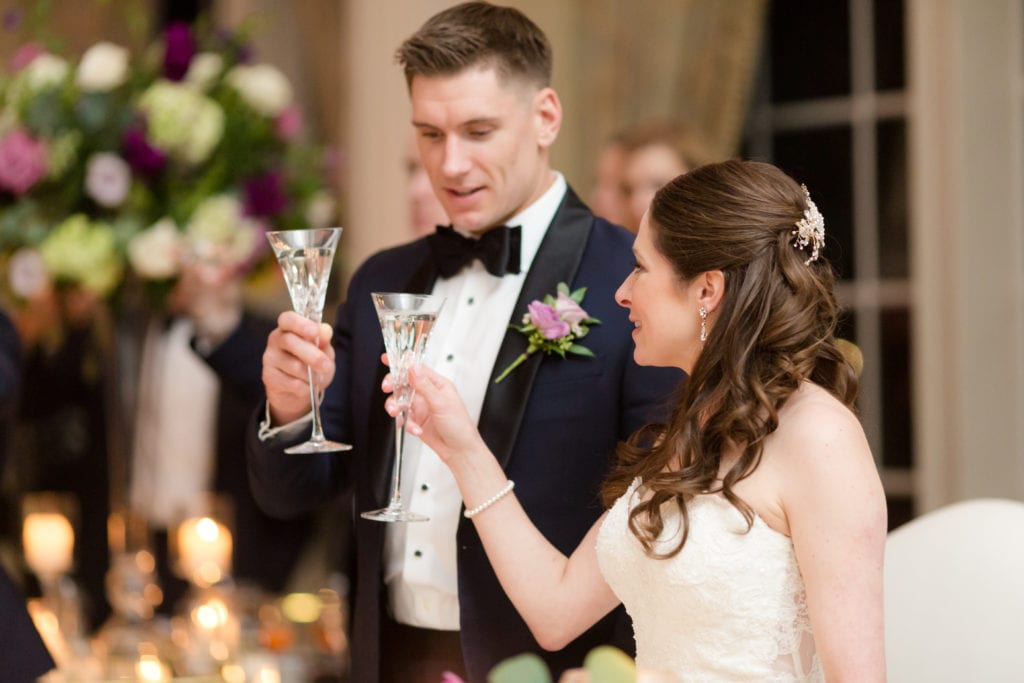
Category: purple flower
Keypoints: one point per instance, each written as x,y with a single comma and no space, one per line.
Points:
545,319
145,159
179,47
22,161
569,311
12,19
264,195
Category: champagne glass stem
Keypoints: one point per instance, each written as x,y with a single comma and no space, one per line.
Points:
318,427
396,473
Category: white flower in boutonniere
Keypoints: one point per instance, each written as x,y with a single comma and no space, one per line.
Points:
554,326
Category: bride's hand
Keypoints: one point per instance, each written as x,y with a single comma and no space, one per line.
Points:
437,415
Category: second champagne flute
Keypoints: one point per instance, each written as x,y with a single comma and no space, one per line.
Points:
405,321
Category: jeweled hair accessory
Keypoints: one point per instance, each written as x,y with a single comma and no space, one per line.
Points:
810,230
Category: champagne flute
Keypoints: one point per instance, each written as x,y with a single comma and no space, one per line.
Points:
305,257
405,322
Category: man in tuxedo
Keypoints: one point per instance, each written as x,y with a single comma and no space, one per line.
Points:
426,598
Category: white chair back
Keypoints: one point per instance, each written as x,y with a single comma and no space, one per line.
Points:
954,595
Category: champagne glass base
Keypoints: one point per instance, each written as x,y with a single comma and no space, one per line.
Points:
318,447
390,514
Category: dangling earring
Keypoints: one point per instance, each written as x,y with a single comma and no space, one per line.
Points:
703,324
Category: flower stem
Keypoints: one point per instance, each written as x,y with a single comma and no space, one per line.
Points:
515,364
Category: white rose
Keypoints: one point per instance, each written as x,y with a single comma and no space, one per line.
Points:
320,210
107,179
45,71
262,86
104,66
27,273
203,70
155,252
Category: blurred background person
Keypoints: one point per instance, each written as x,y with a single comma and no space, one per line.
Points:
655,153
200,382
607,198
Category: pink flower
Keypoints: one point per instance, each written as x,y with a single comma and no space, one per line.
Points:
449,677
289,123
544,318
24,56
569,311
22,161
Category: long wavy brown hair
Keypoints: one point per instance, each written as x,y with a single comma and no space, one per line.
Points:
774,329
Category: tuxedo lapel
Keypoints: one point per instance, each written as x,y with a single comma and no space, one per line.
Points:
382,428
556,261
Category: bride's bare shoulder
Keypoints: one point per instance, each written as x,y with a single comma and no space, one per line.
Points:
815,425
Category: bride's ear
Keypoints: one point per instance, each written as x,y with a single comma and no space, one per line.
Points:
711,289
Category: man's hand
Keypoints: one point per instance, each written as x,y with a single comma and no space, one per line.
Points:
290,350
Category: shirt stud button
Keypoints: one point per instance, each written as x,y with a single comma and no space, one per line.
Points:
418,553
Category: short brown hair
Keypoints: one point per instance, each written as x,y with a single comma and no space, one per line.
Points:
478,34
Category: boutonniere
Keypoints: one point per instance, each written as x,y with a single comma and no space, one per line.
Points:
554,326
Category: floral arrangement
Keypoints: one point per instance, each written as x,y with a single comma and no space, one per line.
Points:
553,326
122,168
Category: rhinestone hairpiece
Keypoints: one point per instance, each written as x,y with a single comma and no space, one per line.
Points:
810,230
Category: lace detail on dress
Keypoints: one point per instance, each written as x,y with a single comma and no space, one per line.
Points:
730,606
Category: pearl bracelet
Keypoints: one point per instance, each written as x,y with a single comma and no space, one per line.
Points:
470,514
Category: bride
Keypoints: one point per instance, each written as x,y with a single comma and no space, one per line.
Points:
744,536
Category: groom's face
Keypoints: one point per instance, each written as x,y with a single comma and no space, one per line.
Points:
484,143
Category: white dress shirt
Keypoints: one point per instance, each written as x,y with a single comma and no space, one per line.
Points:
176,414
419,558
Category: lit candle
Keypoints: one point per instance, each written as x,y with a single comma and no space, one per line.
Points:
149,668
204,550
268,673
49,543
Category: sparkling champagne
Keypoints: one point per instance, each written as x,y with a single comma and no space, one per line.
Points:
405,340
306,272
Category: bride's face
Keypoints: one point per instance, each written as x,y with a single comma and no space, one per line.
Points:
662,307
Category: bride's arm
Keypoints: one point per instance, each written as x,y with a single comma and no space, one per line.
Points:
558,597
835,507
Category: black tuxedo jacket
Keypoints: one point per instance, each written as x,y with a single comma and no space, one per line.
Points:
23,657
553,423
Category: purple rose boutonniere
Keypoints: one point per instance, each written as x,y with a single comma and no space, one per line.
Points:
554,326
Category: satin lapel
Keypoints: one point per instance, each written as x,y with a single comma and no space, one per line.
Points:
556,261
382,427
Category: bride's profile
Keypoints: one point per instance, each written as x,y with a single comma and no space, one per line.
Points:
745,535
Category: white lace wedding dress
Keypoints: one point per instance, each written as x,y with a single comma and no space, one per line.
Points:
729,607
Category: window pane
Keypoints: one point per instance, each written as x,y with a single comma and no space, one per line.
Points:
889,64
897,426
846,327
892,199
820,158
810,49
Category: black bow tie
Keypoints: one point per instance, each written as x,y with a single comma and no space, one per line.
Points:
497,249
